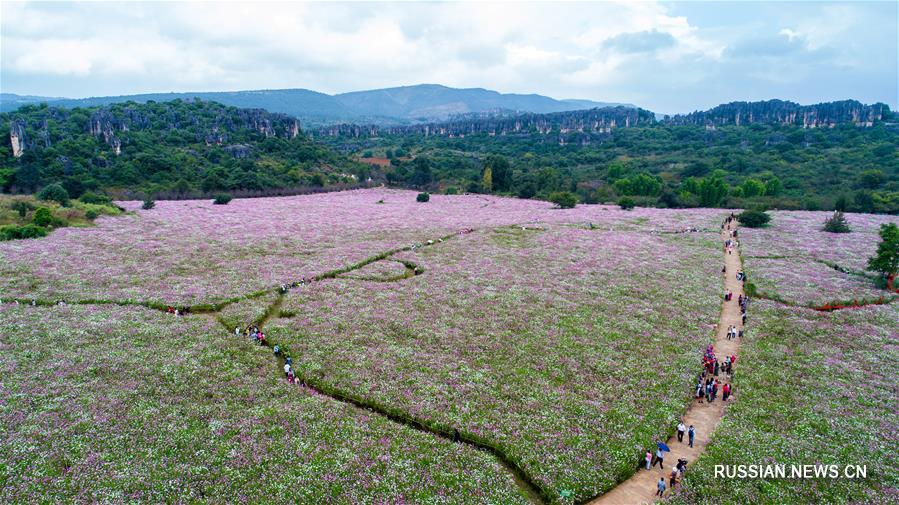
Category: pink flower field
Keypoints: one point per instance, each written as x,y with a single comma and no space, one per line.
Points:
567,347
125,404
792,259
561,344
190,252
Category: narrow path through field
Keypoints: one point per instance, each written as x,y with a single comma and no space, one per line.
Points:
642,486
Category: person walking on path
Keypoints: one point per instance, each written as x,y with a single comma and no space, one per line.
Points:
673,479
661,487
648,459
660,459
681,429
691,434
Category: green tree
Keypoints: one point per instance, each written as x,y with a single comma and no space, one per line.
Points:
871,179
222,199
617,169
691,185
753,218
626,203
43,217
548,180
836,223
501,173
641,184
182,187
753,187
886,259
712,190
423,197
773,187
54,192
864,201
527,190
421,172
487,179
213,181
842,203
564,199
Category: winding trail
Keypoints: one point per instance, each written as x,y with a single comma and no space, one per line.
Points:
704,417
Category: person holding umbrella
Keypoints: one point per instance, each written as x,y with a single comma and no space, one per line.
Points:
660,454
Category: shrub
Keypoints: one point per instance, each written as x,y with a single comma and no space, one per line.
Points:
452,190
91,214
22,207
13,232
380,201
55,193
44,217
564,199
148,204
222,199
423,197
753,218
837,223
626,203
95,199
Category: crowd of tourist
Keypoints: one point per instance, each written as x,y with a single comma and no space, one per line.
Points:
711,380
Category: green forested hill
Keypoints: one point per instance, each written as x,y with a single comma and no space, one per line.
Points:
163,149
775,153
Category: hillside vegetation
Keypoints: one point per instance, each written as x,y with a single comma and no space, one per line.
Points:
169,149
779,154
776,154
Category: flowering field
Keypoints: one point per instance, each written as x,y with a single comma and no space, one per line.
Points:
543,333
565,340
193,252
815,388
793,260
809,282
570,349
119,404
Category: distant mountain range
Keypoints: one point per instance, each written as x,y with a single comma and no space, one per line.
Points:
390,106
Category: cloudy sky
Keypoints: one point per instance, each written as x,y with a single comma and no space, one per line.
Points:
668,57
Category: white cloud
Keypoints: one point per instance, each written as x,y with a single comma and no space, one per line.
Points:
559,49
